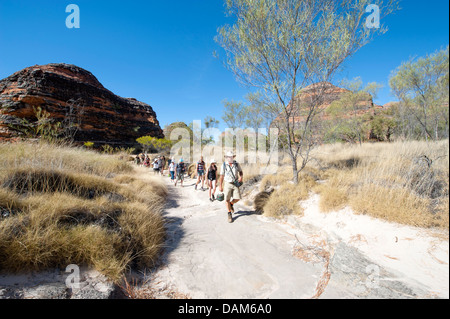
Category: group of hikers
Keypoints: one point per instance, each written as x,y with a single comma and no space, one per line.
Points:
158,164
228,177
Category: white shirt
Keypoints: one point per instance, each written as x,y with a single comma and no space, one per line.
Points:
228,176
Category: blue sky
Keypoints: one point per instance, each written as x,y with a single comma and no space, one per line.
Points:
160,52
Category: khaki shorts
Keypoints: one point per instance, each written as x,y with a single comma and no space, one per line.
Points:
231,191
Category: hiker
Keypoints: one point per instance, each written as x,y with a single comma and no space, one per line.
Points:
160,165
155,166
212,179
200,169
163,165
172,170
146,162
180,169
139,160
231,177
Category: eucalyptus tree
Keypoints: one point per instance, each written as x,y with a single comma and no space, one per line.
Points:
347,110
279,47
421,85
233,114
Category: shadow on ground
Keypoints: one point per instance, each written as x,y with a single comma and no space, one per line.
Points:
240,214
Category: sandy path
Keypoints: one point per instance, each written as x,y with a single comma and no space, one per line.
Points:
255,257
207,257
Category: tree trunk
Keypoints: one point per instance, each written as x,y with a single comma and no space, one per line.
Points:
294,170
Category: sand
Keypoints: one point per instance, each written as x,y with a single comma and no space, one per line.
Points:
319,255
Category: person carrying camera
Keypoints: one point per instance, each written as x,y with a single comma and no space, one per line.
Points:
231,176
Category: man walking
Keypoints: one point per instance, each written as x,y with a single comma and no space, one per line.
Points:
231,177
180,169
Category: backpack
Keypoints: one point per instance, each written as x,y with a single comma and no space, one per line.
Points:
181,168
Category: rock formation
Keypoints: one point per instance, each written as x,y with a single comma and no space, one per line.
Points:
71,94
177,125
321,96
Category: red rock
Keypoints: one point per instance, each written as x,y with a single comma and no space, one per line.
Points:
322,95
103,117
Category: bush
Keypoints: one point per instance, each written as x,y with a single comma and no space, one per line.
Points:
261,200
285,201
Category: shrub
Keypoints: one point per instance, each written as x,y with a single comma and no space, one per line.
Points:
285,201
261,200
89,144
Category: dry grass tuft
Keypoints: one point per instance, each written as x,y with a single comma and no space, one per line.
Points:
333,193
279,196
332,198
283,176
124,179
403,182
285,201
261,200
32,180
75,213
52,157
394,205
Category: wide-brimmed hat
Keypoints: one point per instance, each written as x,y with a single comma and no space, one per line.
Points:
230,154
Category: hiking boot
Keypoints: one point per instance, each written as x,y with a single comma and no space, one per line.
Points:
230,217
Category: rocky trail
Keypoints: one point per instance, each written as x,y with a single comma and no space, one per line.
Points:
256,257
334,255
